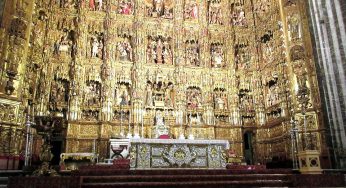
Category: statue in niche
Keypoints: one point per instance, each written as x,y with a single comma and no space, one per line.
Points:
160,128
122,94
191,9
268,52
294,28
193,97
96,43
159,54
214,12
53,96
290,3
216,51
192,53
126,7
220,99
159,8
66,3
125,52
167,54
64,44
92,95
149,95
159,51
238,16
169,95
262,6
242,55
96,5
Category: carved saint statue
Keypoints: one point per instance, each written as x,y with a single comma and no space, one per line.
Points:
191,10
149,95
94,47
126,7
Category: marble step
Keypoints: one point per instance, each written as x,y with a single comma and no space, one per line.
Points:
199,184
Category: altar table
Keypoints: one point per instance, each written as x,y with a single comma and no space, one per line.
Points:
174,153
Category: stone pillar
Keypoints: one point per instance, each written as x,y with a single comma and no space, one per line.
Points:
327,23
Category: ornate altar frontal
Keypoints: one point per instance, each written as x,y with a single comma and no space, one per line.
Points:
212,70
173,153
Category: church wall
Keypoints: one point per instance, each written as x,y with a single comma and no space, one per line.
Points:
211,69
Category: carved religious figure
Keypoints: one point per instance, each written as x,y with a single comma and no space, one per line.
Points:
262,6
192,53
214,12
64,44
159,50
126,7
193,97
96,46
66,3
149,95
242,55
124,50
160,128
217,56
92,93
159,8
169,95
96,5
238,15
191,9
220,99
294,27
122,95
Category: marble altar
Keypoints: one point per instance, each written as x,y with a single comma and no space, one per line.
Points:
173,153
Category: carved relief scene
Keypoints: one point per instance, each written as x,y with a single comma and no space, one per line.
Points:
159,8
220,99
92,93
242,54
192,51
217,55
123,94
95,45
193,98
159,91
159,50
215,14
64,44
126,7
96,5
238,16
124,51
191,9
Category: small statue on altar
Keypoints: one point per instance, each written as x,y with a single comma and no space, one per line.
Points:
160,129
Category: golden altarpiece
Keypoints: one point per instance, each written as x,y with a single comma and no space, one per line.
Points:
214,69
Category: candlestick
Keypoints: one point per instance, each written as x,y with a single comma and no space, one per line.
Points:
129,135
143,123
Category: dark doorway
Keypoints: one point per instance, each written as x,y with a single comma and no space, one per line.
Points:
248,148
56,151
